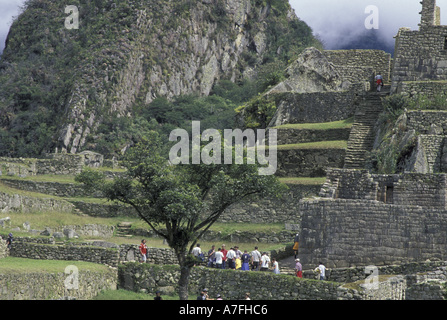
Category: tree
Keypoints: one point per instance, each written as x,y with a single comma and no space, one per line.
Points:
179,202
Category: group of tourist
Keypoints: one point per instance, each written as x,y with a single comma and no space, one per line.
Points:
236,259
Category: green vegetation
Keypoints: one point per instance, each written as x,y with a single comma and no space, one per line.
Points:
11,265
45,66
303,180
123,295
337,144
393,152
342,124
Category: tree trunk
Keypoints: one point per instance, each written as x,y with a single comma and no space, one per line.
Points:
185,271
183,283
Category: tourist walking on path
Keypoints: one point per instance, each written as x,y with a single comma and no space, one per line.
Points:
255,259
296,244
321,270
143,251
9,241
275,266
379,82
245,259
298,268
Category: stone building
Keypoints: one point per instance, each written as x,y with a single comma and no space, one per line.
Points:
421,55
362,219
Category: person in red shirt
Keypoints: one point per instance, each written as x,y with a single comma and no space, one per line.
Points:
224,251
143,250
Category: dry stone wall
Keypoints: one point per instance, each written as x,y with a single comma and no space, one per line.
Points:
314,107
344,233
348,62
45,286
421,55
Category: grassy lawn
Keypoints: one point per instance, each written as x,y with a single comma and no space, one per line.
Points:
9,190
342,124
320,145
10,265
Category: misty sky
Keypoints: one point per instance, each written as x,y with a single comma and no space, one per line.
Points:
334,21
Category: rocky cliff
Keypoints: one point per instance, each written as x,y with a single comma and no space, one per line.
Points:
58,85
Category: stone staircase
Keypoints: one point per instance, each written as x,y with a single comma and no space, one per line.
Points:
362,136
123,229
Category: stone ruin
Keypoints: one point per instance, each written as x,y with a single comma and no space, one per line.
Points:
362,219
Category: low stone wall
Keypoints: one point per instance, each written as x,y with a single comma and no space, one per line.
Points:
428,290
378,60
314,107
50,188
104,210
61,164
4,252
46,286
101,255
430,89
292,136
22,203
308,162
231,284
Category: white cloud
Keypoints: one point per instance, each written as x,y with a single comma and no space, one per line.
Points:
335,20
8,10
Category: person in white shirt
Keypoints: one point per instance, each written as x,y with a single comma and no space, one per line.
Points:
265,262
255,259
219,258
196,252
231,258
275,266
321,269
379,82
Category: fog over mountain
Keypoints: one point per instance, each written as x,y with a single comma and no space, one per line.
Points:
341,24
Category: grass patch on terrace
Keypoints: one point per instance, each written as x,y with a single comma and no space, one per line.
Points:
14,191
308,181
342,124
40,220
44,178
12,265
320,145
357,285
